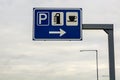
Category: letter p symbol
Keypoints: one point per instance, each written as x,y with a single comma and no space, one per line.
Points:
43,19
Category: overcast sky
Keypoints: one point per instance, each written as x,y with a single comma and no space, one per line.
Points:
21,58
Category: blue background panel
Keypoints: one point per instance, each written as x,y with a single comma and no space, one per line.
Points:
41,32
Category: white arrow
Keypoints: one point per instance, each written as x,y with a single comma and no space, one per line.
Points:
61,32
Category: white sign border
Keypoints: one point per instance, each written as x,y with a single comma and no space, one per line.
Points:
81,21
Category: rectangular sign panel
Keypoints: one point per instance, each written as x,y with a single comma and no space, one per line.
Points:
57,24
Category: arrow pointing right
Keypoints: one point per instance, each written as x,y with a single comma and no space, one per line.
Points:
61,32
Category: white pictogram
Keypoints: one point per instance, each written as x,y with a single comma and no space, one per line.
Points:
72,18
57,19
43,19
60,32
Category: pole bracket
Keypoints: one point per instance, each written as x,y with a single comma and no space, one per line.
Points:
108,28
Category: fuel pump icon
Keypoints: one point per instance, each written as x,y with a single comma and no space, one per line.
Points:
57,18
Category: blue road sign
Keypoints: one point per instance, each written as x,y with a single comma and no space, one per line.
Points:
57,24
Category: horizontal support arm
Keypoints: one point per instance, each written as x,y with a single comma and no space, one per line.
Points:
108,28
97,26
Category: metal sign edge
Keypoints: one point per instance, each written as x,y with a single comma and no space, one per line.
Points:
81,35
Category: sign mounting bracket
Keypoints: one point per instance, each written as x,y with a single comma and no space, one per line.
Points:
108,28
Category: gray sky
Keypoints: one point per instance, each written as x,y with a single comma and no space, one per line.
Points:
24,59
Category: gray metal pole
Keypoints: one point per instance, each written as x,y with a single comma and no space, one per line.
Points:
97,64
111,54
108,28
96,52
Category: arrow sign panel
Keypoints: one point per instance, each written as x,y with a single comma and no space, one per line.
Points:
61,32
57,24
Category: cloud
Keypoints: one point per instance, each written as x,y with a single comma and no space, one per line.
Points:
24,59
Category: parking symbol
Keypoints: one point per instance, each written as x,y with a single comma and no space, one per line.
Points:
43,19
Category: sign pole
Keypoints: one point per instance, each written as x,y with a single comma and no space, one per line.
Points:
111,53
108,28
